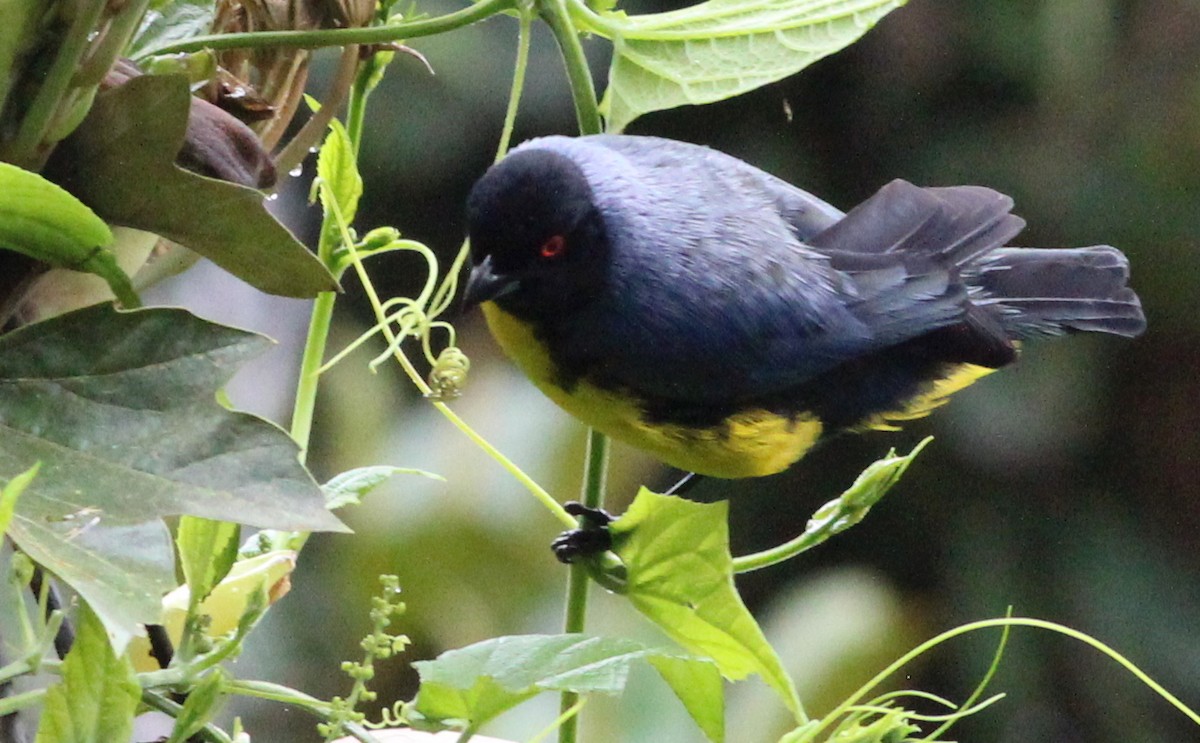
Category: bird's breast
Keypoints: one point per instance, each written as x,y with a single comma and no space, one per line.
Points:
748,443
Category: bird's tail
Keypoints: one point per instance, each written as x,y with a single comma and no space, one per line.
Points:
1037,292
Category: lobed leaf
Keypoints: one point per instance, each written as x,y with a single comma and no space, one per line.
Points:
474,684
679,574
120,408
721,48
121,163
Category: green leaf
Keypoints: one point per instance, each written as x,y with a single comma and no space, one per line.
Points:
721,48
349,487
679,574
98,696
41,220
202,704
121,565
698,685
172,22
474,684
122,164
120,408
126,403
338,172
11,491
207,550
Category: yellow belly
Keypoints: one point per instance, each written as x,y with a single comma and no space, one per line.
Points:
933,397
750,443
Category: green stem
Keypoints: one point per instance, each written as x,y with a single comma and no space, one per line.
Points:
587,113
594,477
278,693
341,36
781,553
595,473
579,75
356,107
158,702
16,702
879,678
101,54
288,696
518,83
314,351
185,673
322,312
14,669
518,474
837,515
24,149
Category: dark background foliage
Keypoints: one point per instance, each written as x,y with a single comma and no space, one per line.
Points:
1064,487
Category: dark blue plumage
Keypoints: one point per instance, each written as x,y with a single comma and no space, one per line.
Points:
700,287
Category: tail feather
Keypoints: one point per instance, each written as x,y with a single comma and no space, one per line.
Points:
1037,292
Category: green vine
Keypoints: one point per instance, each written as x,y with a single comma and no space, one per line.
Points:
386,34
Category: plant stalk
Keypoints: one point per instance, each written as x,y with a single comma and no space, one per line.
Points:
341,36
578,580
579,75
158,702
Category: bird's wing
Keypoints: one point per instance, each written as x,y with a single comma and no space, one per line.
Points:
949,225
745,311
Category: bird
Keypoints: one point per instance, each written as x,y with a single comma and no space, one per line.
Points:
689,304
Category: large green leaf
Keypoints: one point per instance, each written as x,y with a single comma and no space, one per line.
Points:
721,48
679,574
120,408
474,684
98,696
121,163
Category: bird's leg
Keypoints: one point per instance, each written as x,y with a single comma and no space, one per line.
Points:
686,483
590,538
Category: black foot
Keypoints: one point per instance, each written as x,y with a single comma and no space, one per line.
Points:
591,538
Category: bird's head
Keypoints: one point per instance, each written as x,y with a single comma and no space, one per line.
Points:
538,243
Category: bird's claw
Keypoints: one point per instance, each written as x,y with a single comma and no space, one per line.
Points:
590,538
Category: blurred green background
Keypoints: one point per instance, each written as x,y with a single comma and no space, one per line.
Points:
1064,487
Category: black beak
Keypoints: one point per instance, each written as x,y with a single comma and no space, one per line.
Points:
485,284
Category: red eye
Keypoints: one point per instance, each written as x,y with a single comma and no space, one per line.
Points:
554,247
